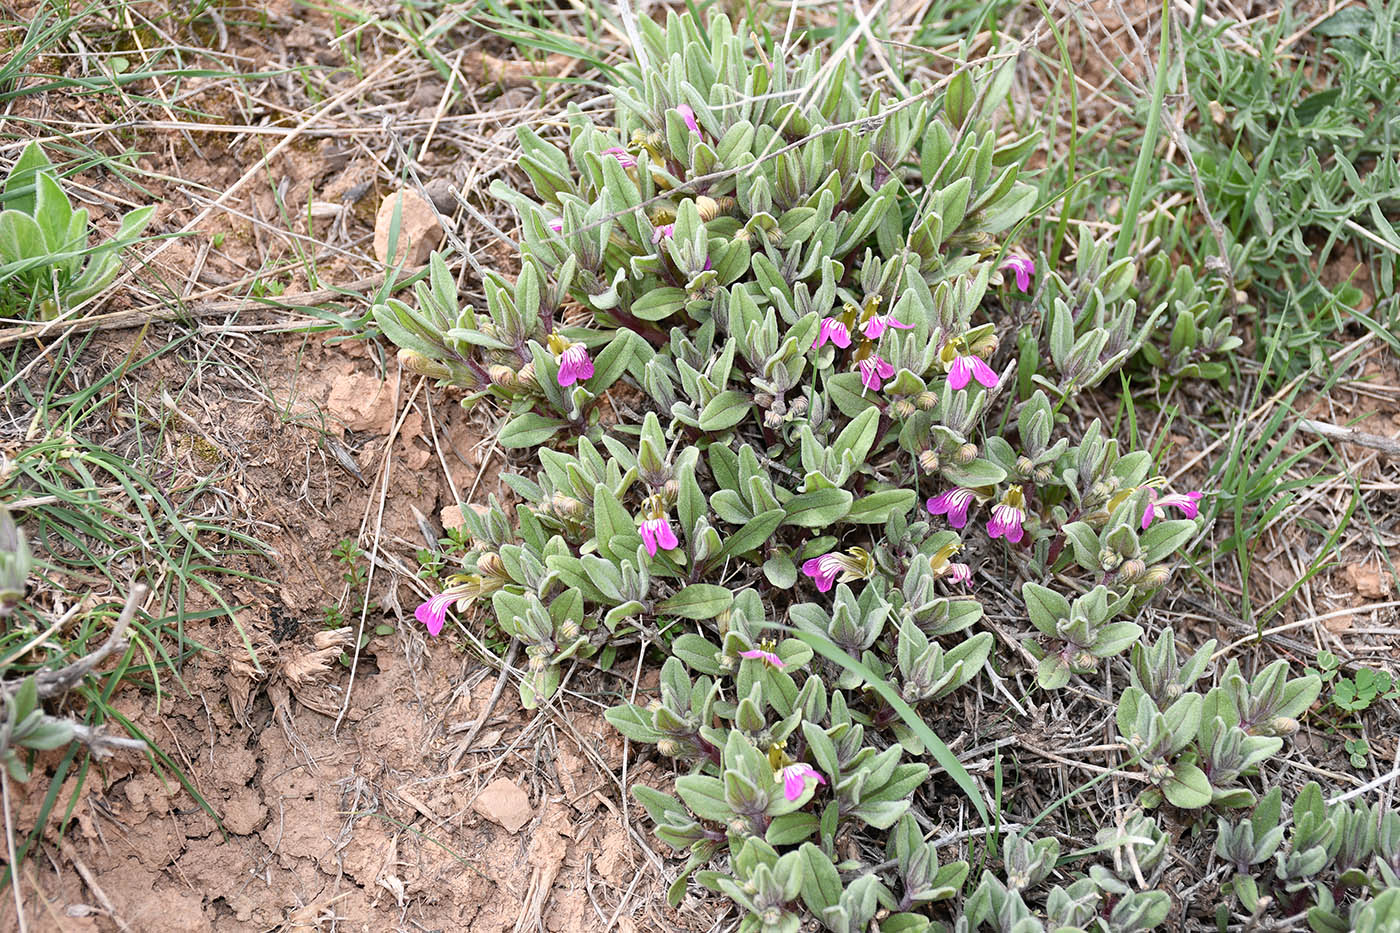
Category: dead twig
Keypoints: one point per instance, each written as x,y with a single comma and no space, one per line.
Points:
1386,445
465,745
52,683
136,317
90,880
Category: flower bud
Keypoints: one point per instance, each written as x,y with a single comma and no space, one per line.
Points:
1024,467
503,376
740,827
1174,690
525,377
566,507
926,400
798,407
1085,660
416,362
1131,570
1109,559
742,234
965,454
772,419
1283,725
1159,771
1043,473
1156,576
707,207
568,630
903,408
722,623
928,461
670,492
670,747
538,663
491,565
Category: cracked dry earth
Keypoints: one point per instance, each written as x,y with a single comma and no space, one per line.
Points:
386,822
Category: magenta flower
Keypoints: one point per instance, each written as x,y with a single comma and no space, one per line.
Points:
556,224
433,613
656,532
663,232
621,155
960,573
873,372
824,570
1023,267
575,365
794,779
1190,505
767,657
879,323
968,367
1007,516
688,116
835,331
954,503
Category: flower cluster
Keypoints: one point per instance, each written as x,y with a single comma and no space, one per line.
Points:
805,363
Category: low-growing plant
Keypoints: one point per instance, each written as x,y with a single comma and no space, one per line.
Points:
1296,153
47,262
1338,864
756,346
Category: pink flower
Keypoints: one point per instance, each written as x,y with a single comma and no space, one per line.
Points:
794,779
873,372
556,224
824,570
688,116
621,155
960,573
767,657
1190,505
878,323
1023,267
968,367
656,532
854,564
575,365
433,613
954,503
663,232
1007,516
835,331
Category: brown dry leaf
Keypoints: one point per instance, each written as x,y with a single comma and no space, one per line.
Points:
1338,624
1372,584
509,73
300,669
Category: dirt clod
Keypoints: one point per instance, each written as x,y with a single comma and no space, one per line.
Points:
419,230
504,803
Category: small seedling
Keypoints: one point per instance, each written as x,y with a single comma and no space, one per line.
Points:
47,261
